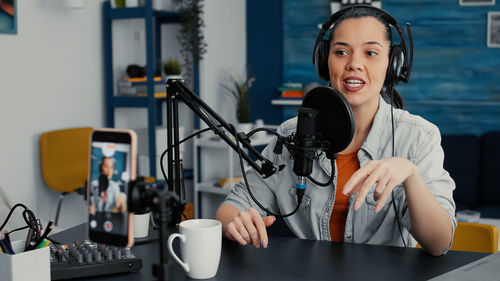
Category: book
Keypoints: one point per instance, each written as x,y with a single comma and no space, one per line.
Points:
138,87
291,90
292,94
156,79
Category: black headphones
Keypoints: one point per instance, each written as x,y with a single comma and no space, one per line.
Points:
400,63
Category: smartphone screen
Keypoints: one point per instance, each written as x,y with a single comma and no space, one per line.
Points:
112,166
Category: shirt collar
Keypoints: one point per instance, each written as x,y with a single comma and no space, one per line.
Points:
381,125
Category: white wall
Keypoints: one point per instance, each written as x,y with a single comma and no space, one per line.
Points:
226,53
51,77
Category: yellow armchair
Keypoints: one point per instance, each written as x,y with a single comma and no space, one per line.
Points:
64,156
474,237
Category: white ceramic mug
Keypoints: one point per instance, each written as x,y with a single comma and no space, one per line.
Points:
141,225
201,242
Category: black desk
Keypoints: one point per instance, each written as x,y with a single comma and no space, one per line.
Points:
296,259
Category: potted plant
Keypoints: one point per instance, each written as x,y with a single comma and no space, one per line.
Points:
172,68
191,35
239,88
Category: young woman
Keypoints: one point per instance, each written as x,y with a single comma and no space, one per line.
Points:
110,198
358,206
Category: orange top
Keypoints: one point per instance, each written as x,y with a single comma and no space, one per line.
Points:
347,164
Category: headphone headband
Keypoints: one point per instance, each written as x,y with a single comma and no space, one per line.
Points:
408,57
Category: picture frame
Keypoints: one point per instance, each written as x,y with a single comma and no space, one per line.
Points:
8,16
477,2
336,5
493,33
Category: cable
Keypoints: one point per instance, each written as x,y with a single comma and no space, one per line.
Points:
31,222
299,197
61,197
165,152
332,174
263,129
200,132
10,214
393,155
175,144
20,228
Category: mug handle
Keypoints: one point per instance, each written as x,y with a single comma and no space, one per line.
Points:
171,250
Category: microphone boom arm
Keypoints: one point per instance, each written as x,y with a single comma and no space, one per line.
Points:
177,88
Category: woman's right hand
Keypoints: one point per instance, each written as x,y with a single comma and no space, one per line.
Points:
249,227
92,209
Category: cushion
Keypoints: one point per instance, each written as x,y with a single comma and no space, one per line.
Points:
489,190
489,211
461,160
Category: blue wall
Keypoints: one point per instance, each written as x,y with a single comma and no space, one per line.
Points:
265,57
455,79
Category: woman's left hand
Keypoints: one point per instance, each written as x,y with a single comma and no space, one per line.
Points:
386,173
121,202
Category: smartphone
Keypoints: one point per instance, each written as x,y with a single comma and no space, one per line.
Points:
113,158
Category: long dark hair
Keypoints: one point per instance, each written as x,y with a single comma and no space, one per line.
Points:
362,12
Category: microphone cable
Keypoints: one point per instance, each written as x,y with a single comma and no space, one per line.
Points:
33,223
241,165
300,192
332,174
393,155
163,156
175,144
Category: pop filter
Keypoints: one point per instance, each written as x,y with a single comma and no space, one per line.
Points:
335,118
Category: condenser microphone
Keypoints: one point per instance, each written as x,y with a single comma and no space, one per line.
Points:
305,145
305,141
103,183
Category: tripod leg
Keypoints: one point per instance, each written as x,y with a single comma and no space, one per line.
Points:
61,197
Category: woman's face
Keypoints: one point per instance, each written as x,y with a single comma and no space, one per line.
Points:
358,60
107,167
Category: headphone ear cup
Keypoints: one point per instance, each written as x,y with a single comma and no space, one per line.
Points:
321,59
395,67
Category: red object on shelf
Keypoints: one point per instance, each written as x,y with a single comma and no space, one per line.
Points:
7,8
292,94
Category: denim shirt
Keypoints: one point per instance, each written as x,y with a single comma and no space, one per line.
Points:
415,139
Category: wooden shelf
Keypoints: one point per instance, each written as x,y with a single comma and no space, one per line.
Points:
286,101
153,20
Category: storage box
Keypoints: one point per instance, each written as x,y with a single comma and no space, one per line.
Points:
30,265
468,216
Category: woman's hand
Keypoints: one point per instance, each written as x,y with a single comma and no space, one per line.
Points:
121,202
386,173
249,227
92,209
